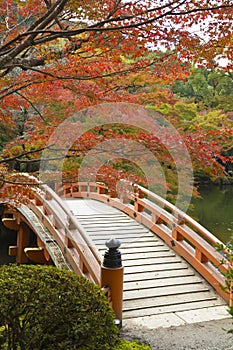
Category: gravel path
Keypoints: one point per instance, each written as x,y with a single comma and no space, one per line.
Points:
211,335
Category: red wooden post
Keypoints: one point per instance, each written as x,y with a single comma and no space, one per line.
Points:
22,242
112,273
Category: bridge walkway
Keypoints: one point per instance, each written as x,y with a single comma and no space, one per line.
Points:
160,287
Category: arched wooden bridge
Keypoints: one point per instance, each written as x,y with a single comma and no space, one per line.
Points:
171,266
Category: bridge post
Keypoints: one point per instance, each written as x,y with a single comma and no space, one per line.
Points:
22,242
112,273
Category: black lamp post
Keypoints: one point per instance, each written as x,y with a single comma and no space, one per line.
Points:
112,257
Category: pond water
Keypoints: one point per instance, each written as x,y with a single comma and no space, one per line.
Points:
215,210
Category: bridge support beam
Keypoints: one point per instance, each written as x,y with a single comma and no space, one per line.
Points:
22,242
112,275
23,237
37,255
11,223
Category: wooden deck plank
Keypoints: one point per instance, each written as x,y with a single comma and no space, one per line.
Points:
168,300
153,275
89,221
115,225
112,228
134,236
163,309
168,291
86,206
160,282
152,261
146,247
145,242
146,251
148,255
131,249
132,239
154,268
100,217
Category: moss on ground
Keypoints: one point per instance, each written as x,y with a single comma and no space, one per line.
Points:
127,345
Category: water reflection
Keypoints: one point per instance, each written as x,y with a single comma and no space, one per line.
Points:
215,210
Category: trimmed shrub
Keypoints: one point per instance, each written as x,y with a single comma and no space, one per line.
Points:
45,308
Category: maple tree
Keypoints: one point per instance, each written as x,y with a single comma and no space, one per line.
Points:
62,39
59,57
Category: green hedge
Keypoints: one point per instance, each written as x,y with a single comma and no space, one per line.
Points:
42,308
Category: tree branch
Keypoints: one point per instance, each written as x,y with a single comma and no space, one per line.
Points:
10,159
33,106
39,27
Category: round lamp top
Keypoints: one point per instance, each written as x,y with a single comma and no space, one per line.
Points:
113,243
